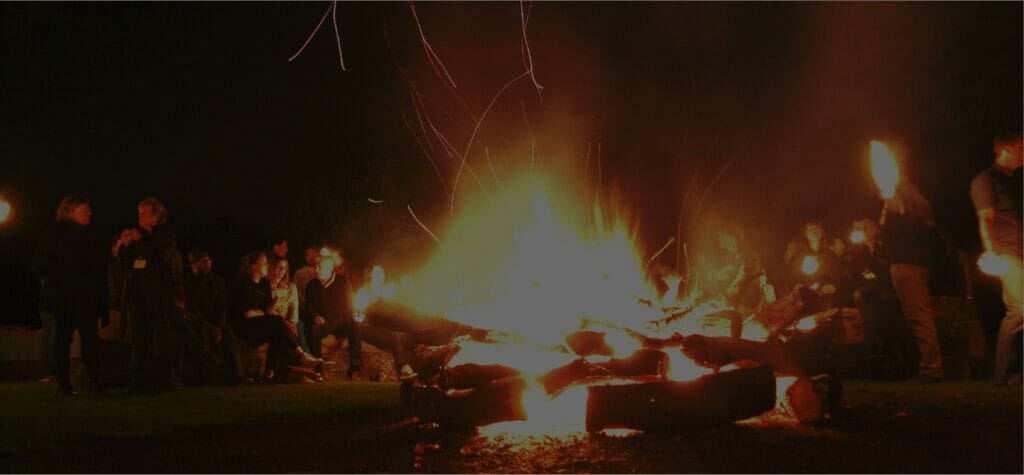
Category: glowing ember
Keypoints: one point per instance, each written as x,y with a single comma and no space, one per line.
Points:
994,264
810,265
884,169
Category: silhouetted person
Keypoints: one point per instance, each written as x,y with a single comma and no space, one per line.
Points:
206,303
330,311
73,264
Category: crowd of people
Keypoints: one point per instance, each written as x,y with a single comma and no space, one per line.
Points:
883,273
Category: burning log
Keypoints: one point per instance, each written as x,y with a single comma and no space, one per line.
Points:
641,363
720,351
471,375
585,343
430,360
498,401
676,406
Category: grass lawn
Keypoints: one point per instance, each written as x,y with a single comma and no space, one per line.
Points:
361,427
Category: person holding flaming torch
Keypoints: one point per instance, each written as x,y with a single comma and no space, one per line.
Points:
996,193
906,224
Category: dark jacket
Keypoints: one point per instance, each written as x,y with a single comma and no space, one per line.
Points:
907,238
72,263
153,265
206,298
248,295
333,302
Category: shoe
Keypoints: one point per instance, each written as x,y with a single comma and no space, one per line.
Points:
66,390
309,360
356,374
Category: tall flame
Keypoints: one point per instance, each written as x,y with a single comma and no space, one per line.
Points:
884,169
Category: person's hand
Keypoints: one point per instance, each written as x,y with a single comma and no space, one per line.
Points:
318,320
218,334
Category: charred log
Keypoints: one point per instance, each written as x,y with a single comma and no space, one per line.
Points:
641,363
585,343
720,351
471,375
678,406
429,360
498,401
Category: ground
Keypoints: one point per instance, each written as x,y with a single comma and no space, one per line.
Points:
361,427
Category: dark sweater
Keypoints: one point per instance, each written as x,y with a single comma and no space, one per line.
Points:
333,302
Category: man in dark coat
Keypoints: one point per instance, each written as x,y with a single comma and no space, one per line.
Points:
206,309
153,296
72,263
330,311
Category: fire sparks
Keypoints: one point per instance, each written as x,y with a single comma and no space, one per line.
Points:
884,169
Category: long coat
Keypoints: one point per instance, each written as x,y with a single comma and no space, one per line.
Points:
153,268
72,263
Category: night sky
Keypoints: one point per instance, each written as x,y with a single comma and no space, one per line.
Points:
198,104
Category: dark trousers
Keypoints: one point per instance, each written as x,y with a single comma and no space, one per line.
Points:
64,333
270,329
340,328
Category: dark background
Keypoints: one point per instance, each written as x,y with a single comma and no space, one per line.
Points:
198,104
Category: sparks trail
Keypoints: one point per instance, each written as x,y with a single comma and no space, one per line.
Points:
429,157
689,188
332,10
501,188
656,254
533,140
424,226
715,180
435,62
469,145
529,56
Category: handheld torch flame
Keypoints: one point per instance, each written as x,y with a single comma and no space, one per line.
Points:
809,265
858,237
994,264
5,210
884,169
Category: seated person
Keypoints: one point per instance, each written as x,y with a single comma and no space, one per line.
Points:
811,263
285,299
250,318
731,271
330,311
206,309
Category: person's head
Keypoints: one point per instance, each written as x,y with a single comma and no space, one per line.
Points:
1008,148
255,263
312,253
151,213
75,208
328,264
278,270
200,261
279,246
815,235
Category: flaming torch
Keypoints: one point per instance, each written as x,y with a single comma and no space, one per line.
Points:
993,264
809,265
884,169
5,210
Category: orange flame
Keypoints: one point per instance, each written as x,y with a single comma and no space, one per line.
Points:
810,265
993,264
884,169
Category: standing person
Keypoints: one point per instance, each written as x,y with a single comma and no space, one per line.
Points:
206,300
330,311
72,263
153,296
250,307
906,226
285,299
996,193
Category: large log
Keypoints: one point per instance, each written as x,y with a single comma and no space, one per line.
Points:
669,406
498,401
720,351
641,363
429,360
585,343
471,375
